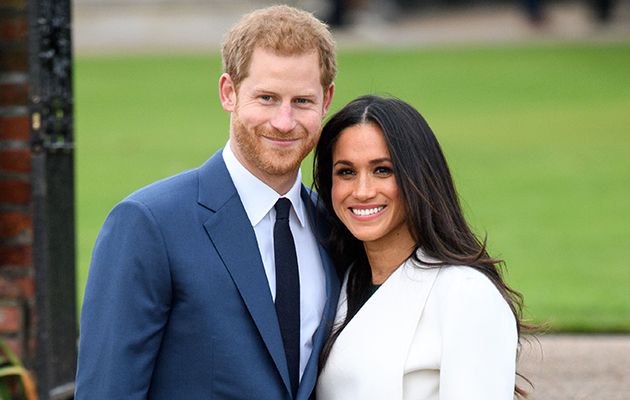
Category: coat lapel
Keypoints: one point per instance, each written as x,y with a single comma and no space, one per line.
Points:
234,239
382,331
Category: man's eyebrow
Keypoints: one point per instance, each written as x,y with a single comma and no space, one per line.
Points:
262,91
309,94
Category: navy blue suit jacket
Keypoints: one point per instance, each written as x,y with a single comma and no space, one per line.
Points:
177,304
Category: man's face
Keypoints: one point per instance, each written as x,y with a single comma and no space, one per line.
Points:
276,114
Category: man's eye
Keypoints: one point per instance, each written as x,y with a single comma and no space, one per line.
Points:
302,101
265,98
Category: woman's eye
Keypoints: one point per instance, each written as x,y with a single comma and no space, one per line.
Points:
344,172
384,171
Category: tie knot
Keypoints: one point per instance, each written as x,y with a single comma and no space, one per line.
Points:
283,206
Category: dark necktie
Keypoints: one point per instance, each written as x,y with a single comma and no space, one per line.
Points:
287,290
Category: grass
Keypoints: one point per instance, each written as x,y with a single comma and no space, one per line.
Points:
536,136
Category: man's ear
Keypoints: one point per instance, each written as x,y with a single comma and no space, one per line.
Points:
227,92
328,95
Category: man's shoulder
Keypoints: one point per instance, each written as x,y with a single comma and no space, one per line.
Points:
314,205
175,188
171,187
309,193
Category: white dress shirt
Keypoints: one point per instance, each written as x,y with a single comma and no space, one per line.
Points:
258,200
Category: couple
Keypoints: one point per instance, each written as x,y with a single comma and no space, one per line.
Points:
234,281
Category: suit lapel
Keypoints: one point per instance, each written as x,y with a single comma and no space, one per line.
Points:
332,294
234,239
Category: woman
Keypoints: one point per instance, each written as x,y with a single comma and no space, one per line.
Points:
423,313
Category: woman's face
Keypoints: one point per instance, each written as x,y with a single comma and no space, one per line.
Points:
365,194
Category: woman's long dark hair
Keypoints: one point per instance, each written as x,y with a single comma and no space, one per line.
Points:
433,211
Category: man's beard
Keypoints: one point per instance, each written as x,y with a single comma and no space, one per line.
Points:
276,161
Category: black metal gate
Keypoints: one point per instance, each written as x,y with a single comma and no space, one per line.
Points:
51,109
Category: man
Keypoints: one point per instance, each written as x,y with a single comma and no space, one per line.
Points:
184,299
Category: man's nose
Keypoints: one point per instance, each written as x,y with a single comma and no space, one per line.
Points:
283,120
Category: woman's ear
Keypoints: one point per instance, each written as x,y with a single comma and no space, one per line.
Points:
227,92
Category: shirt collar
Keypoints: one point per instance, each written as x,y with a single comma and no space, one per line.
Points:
257,197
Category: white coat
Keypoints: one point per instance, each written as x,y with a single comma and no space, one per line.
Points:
427,333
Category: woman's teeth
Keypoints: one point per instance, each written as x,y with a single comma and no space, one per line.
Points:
366,211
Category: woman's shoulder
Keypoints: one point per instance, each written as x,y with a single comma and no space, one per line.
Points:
448,274
466,282
464,274
459,283
471,295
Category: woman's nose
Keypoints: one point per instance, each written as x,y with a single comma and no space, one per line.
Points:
364,188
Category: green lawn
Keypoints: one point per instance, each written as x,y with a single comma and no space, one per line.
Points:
537,138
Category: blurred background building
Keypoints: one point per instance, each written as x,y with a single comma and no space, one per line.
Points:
191,25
